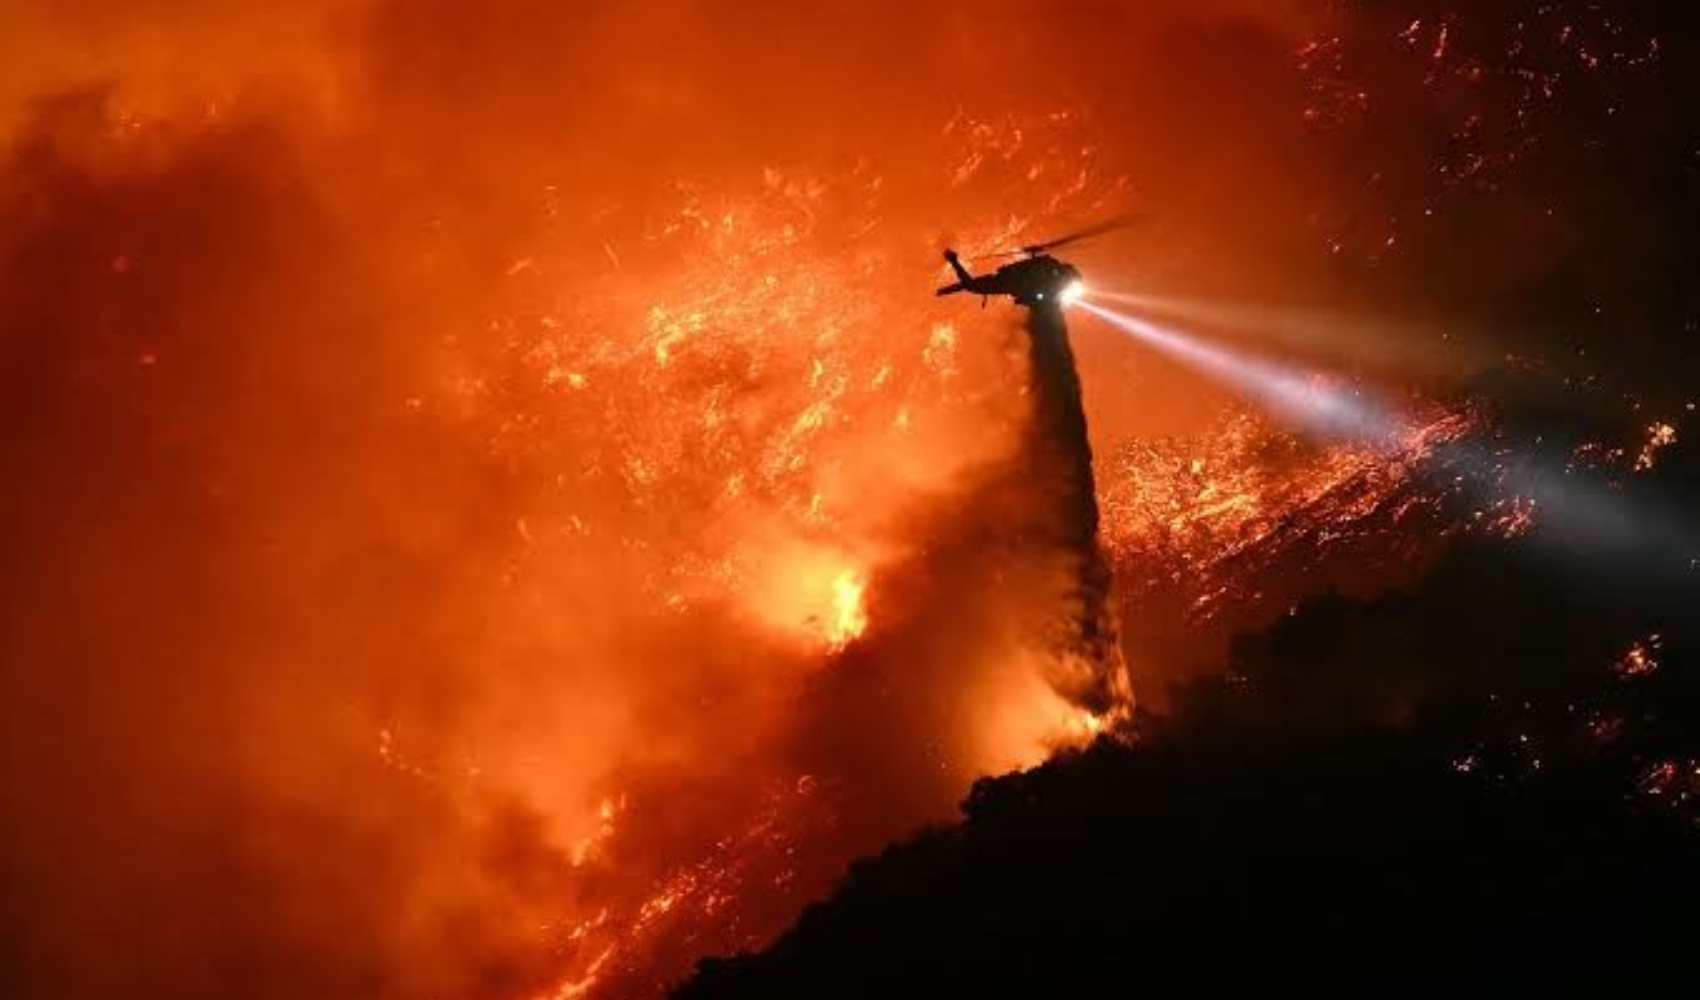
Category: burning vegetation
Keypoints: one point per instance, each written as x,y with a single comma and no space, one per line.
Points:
493,509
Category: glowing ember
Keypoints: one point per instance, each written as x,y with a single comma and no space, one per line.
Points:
1203,514
1659,437
1674,782
1508,517
568,432
1639,660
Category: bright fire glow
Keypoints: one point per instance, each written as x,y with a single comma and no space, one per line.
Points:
1659,437
642,444
849,618
1640,659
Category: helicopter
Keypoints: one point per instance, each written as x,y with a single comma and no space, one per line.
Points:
1036,281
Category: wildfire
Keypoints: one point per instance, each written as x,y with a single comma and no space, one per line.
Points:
1660,436
1208,515
849,618
719,430
1639,660
1674,782
817,396
607,812
614,465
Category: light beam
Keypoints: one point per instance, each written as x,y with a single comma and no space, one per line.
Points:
1310,399
1586,518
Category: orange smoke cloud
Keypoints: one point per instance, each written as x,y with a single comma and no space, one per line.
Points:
491,506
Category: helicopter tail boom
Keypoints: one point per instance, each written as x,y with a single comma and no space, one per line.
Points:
955,263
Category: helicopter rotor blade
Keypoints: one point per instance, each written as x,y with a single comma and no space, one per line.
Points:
1109,225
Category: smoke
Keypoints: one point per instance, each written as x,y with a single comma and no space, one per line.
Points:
196,349
1010,575
1056,456
343,590
436,441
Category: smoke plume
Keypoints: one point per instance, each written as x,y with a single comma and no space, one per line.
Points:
1056,457
488,503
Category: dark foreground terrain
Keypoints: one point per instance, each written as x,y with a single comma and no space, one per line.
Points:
1488,781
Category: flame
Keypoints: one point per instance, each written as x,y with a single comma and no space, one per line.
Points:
800,483
716,439
1206,515
849,617
792,396
1640,659
1660,436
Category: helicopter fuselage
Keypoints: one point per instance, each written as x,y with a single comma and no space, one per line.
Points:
1034,282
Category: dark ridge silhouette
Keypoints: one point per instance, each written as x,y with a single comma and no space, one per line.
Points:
1490,780
1341,863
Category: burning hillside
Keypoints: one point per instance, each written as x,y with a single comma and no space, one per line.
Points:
494,510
